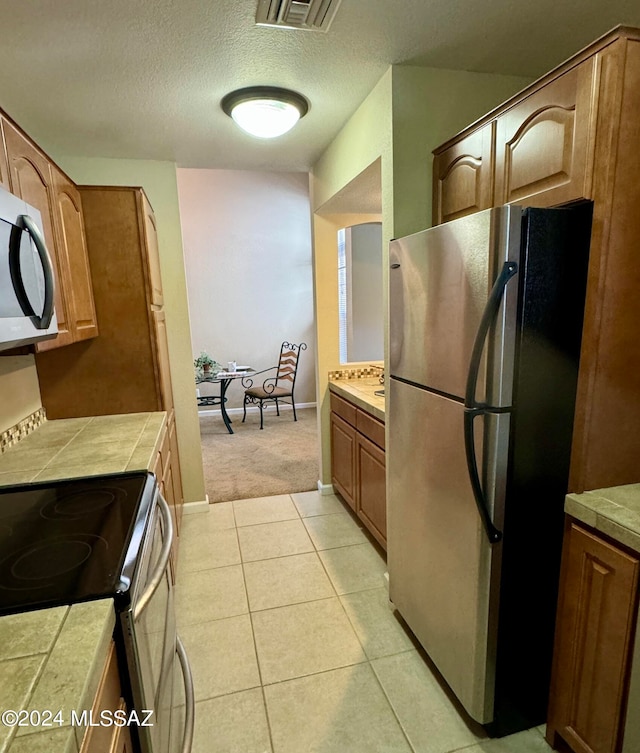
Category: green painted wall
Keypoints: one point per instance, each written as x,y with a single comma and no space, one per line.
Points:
409,113
159,182
430,106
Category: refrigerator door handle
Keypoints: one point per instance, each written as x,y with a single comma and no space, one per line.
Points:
509,269
493,534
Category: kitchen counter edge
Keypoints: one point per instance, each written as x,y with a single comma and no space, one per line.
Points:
614,512
360,392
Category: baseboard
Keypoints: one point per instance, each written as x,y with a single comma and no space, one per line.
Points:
251,409
201,505
325,489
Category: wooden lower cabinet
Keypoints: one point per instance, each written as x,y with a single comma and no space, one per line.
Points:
371,485
358,471
343,447
597,611
111,738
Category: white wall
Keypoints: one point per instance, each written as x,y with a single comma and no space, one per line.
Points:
247,246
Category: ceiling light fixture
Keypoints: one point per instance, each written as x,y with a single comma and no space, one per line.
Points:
265,111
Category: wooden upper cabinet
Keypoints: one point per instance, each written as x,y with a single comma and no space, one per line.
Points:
463,176
4,166
31,180
544,143
72,242
162,362
151,243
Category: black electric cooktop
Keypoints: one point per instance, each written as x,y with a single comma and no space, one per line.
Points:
63,542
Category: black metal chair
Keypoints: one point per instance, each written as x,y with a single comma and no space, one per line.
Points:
277,387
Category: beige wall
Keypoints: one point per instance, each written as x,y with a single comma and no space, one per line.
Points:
364,139
159,182
19,390
429,107
247,247
408,114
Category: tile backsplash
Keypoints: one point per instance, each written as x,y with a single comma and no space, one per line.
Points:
11,436
359,372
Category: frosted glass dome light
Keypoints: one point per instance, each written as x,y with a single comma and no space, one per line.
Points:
265,111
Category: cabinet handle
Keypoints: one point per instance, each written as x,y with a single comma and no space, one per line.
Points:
189,696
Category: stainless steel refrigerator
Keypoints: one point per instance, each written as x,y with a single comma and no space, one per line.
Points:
485,331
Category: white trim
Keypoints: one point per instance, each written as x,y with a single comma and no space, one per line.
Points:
325,489
201,505
251,409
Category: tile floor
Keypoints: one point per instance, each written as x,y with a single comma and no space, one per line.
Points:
283,609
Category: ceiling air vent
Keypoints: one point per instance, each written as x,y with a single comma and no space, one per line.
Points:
311,15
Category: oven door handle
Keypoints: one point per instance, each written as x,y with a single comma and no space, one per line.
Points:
163,560
189,697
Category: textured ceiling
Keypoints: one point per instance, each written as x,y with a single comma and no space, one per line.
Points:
144,78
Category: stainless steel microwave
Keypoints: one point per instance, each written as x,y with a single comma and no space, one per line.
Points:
27,281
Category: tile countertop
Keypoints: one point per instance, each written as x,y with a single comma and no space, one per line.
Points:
66,448
361,393
52,660
614,511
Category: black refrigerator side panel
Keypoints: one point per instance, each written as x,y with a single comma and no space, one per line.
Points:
552,281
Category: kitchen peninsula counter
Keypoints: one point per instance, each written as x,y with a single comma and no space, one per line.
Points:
360,392
72,447
614,512
52,659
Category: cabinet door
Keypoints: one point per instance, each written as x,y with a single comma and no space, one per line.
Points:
73,243
31,180
178,496
544,146
162,363
4,165
596,616
372,495
108,698
343,448
463,176
151,243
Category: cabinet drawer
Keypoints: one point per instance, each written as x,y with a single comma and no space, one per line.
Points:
370,427
344,409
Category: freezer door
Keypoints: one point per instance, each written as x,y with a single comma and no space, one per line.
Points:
443,573
440,281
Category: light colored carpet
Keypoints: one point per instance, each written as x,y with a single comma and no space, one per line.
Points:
280,459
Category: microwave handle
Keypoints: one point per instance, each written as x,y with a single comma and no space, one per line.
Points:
34,231
189,697
163,559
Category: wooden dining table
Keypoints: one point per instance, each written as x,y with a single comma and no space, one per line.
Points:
224,379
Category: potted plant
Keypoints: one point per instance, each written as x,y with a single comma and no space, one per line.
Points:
206,363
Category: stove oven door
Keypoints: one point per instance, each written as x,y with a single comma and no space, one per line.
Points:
152,645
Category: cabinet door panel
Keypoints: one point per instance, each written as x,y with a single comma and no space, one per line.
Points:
31,180
162,363
5,182
463,176
151,242
72,240
544,146
371,483
597,609
343,446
